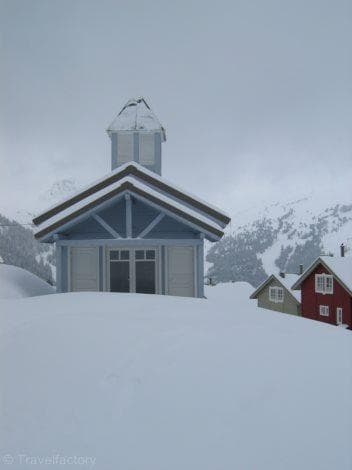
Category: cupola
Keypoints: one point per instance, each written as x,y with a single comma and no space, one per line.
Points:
136,135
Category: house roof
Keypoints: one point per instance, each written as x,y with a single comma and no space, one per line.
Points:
341,268
136,115
144,175
286,282
142,183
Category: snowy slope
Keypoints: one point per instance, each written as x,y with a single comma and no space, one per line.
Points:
154,383
17,282
265,239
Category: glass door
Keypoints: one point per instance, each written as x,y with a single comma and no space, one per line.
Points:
119,263
145,271
133,270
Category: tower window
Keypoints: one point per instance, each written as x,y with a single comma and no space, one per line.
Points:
146,149
125,147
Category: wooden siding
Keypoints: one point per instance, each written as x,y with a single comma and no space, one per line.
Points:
311,300
289,305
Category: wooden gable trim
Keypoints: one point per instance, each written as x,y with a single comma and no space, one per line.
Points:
128,186
311,270
267,282
131,170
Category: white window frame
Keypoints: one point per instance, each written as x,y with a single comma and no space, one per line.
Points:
321,283
276,294
125,144
132,260
339,315
144,157
324,310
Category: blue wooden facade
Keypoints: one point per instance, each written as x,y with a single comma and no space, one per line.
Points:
132,231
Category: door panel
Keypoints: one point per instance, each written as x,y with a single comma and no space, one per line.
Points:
120,270
145,277
181,271
120,276
84,269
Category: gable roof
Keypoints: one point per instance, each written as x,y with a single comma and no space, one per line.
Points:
136,115
142,183
286,282
144,175
341,268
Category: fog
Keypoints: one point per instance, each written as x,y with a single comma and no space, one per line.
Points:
256,97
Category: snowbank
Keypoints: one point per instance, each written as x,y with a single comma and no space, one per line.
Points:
16,282
153,383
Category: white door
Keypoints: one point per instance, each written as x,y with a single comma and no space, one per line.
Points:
180,271
84,269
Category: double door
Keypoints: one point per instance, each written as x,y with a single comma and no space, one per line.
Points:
132,270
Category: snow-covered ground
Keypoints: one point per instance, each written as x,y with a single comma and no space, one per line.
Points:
144,382
16,282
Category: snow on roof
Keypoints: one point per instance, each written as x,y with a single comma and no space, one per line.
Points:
71,210
136,115
286,281
342,267
141,169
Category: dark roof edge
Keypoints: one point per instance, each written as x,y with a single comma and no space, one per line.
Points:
311,268
127,186
130,169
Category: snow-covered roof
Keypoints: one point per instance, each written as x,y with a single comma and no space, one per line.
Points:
287,282
143,173
136,115
340,267
121,184
141,183
133,177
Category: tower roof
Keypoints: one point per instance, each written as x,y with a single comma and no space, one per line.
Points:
136,115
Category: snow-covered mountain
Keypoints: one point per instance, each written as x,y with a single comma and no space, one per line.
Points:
280,236
17,244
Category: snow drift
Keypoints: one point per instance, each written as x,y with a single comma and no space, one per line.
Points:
144,382
16,282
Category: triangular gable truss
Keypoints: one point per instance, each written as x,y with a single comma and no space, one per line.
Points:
145,176
89,207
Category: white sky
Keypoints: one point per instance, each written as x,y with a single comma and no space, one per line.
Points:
255,96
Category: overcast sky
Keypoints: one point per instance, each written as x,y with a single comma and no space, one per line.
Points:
255,96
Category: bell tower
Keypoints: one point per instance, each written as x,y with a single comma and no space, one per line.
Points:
136,136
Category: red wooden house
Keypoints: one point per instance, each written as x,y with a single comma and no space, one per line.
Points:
326,289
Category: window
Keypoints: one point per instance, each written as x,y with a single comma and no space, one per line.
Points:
324,283
276,294
324,310
125,147
339,316
146,149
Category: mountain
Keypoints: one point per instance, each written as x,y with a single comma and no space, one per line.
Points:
277,237
18,246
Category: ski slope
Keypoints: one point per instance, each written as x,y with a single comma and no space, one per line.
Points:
144,382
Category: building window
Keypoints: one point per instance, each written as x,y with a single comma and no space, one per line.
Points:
339,316
146,149
125,147
324,283
324,310
276,294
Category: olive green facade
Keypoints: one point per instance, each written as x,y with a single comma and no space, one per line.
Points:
289,305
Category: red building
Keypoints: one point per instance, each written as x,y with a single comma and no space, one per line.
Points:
326,288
